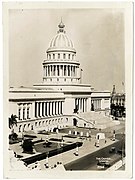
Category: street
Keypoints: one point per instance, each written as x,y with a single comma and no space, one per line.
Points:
89,162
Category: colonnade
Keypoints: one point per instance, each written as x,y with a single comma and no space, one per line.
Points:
24,111
96,103
61,56
81,104
60,70
48,108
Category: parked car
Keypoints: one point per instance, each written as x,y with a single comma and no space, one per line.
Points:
112,150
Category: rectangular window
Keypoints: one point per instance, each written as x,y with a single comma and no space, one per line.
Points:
58,56
35,109
19,114
42,108
28,113
64,56
39,109
23,113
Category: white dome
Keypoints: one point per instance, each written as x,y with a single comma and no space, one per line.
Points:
61,41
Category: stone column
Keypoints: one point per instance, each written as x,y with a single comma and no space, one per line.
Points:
21,111
61,107
41,109
60,69
55,108
86,105
78,105
58,107
83,105
50,103
48,107
66,67
43,112
45,108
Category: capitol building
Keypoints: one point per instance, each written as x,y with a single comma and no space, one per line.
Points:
60,100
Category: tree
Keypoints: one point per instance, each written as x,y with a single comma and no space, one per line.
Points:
27,146
12,121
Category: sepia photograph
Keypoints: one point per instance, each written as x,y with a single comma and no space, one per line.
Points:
67,89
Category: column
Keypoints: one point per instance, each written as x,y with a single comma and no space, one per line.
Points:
40,109
73,70
86,101
43,71
25,107
48,108
60,68
45,108
46,71
52,108
58,107
83,104
66,67
51,70
61,107
43,112
78,105
21,112
55,108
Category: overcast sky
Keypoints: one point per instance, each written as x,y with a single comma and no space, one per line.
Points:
97,35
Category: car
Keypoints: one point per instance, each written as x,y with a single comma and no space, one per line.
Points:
112,150
121,152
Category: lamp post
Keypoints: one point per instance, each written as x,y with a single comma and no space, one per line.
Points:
97,144
47,164
77,150
113,135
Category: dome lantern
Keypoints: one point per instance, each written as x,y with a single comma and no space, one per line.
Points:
61,27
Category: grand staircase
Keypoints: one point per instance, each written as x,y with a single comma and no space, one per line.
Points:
97,119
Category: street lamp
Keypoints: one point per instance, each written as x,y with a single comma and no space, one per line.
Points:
47,165
113,135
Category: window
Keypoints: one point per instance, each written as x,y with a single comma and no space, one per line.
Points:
72,56
64,56
35,109
64,70
58,56
23,113
69,56
28,113
53,56
19,114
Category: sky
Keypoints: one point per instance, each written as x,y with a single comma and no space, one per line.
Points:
97,35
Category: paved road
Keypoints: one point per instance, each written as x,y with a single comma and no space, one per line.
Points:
89,162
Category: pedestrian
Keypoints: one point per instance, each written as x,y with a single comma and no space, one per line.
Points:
105,141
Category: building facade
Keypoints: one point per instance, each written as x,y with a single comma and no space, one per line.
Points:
61,97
